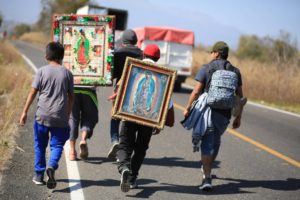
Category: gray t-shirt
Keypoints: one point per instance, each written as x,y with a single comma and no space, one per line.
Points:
53,83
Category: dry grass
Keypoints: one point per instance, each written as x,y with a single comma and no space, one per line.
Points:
14,85
36,37
269,83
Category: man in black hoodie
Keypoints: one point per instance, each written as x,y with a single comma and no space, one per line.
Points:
128,49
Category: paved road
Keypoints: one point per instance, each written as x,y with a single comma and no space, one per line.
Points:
260,161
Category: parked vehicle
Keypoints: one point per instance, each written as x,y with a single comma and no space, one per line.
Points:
176,47
121,16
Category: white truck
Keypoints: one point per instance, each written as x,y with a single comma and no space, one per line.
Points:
121,16
176,46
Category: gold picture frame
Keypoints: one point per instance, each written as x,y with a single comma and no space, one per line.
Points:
144,93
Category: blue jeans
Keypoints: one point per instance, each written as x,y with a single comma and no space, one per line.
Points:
211,140
59,136
114,130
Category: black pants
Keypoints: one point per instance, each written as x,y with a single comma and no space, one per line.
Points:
134,139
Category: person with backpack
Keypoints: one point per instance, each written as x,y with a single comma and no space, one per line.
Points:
208,110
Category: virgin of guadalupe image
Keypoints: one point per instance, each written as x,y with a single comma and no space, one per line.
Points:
143,98
82,50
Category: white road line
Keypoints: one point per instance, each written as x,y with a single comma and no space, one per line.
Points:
76,191
0,179
257,105
33,67
273,109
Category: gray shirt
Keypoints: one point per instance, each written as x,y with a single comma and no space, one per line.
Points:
53,83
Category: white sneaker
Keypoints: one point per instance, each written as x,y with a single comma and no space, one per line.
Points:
113,151
125,184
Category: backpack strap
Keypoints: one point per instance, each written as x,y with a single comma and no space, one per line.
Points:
212,67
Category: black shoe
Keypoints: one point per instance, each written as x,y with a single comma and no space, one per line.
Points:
132,181
38,179
51,182
133,185
206,185
125,184
113,151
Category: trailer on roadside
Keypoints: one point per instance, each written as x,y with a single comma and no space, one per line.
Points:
176,47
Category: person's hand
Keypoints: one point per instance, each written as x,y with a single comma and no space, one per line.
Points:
23,119
236,123
155,131
112,97
186,112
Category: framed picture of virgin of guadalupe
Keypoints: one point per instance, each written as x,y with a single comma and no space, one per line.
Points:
89,44
144,93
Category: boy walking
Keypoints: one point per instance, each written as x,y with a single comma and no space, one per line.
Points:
54,83
84,115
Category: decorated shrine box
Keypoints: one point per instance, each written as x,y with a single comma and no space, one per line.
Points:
89,44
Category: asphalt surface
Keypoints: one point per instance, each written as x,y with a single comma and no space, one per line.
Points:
170,170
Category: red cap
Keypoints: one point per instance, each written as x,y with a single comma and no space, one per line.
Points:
152,50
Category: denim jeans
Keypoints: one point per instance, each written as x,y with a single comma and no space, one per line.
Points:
59,136
211,140
114,130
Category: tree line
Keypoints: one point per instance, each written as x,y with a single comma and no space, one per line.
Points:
282,50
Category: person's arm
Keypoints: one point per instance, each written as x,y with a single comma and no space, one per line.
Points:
237,121
194,95
29,101
70,102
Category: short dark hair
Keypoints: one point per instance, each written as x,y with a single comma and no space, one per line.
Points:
222,48
224,56
55,52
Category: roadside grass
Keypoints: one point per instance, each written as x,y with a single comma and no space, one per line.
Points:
274,85
266,83
14,85
36,37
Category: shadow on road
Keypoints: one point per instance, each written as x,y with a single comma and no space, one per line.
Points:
87,183
97,160
176,162
235,185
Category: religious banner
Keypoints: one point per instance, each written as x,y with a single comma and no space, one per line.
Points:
89,44
144,93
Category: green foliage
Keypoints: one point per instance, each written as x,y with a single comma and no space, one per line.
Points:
249,47
281,50
50,7
20,29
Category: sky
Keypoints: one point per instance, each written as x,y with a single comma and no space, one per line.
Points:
210,20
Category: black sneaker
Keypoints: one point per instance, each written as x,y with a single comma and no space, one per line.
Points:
132,181
133,185
125,184
206,185
113,151
38,179
51,182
